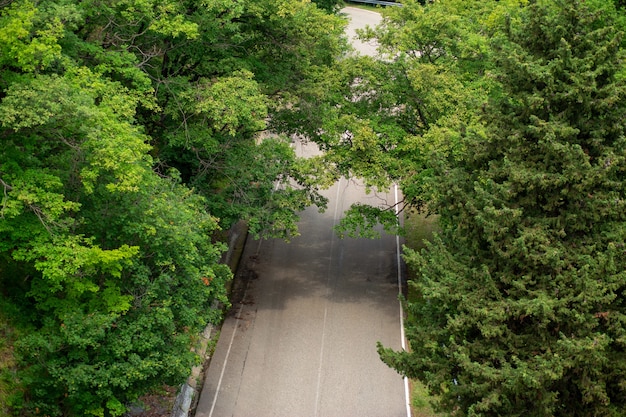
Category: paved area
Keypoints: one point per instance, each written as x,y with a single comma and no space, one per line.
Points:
302,341
359,19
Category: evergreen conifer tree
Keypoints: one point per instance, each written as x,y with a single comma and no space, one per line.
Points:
522,296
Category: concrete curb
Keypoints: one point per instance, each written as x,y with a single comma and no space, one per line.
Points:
188,393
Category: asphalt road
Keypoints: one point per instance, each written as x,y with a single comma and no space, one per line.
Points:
359,19
302,341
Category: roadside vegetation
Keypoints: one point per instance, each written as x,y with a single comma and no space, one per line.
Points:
129,144
418,229
11,326
520,306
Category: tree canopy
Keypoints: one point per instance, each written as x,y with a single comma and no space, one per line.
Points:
521,297
382,119
129,141
131,138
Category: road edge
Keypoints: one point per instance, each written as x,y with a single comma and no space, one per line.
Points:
188,393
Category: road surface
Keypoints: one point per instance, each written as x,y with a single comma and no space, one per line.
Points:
359,19
302,341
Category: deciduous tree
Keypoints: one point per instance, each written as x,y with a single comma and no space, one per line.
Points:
383,119
129,134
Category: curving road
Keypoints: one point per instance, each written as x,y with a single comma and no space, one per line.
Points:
302,341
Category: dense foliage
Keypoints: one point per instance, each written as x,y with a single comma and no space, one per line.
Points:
128,140
383,119
522,296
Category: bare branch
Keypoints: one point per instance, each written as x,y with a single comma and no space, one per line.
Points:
6,188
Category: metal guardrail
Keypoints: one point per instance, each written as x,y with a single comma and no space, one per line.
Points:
375,2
